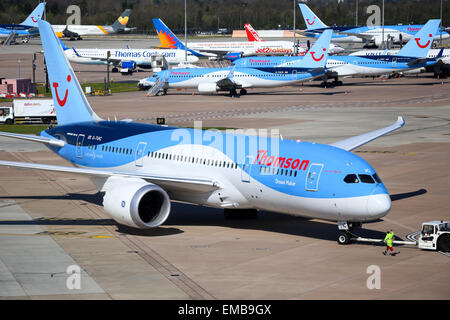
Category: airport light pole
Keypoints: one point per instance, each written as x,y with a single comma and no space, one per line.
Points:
185,31
382,30
440,27
356,14
293,30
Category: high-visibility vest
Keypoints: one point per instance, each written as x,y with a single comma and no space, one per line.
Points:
389,238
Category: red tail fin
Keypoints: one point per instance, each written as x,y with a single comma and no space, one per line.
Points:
252,35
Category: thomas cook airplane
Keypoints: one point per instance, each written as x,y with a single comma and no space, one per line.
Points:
141,168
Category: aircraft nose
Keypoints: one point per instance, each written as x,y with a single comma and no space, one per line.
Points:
378,205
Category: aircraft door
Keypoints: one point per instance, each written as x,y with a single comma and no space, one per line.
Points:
246,169
139,155
394,62
79,146
312,177
294,74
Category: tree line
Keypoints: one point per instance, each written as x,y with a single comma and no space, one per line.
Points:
210,15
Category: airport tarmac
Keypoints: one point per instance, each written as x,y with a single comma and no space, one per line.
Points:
50,222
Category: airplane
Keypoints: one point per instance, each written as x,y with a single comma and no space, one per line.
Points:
127,59
370,35
76,31
141,168
302,48
229,50
442,69
209,80
411,56
27,28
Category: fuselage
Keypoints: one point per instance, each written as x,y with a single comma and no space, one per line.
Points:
142,57
83,30
299,178
432,53
246,77
21,31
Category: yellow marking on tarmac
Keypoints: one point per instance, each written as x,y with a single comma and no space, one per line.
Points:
101,28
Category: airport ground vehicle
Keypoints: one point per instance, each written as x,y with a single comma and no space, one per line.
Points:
28,111
434,235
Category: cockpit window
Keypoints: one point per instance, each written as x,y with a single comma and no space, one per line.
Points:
365,178
351,178
377,178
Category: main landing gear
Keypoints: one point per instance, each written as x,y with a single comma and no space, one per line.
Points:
334,83
233,93
344,236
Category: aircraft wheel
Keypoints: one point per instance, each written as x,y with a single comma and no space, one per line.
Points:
343,237
114,70
243,92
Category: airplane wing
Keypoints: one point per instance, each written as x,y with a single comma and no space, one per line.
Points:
365,37
199,185
355,142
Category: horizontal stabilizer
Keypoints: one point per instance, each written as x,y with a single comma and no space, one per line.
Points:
355,142
52,142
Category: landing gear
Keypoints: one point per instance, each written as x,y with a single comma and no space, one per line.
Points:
344,234
326,85
337,83
240,213
233,93
243,92
114,70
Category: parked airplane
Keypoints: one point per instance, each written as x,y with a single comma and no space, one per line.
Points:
442,69
26,29
230,79
411,56
302,48
141,168
126,59
371,35
76,31
230,49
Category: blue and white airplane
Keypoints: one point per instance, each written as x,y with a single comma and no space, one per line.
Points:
369,35
208,80
27,28
412,56
141,168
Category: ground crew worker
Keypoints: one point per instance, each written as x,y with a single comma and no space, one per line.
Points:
389,239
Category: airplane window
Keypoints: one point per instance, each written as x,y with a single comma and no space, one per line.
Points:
365,178
377,178
295,173
351,178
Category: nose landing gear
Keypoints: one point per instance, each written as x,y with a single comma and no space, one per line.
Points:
345,236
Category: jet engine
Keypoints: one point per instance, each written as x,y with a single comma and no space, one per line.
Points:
233,56
137,203
207,87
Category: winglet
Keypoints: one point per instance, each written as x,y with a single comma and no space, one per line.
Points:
355,142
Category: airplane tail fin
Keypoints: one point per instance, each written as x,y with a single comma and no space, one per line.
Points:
71,105
166,36
420,43
317,56
252,35
122,21
311,20
35,16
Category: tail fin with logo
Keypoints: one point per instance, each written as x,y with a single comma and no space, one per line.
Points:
35,16
122,21
252,35
420,43
71,105
311,20
166,36
317,56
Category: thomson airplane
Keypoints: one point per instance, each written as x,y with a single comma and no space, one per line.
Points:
141,168
438,69
76,31
230,49
27,28
126,59
412,56
302,48
367,35
231,79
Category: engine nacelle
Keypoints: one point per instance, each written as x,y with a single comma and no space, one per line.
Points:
136,203
128,65
207,87
233,56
